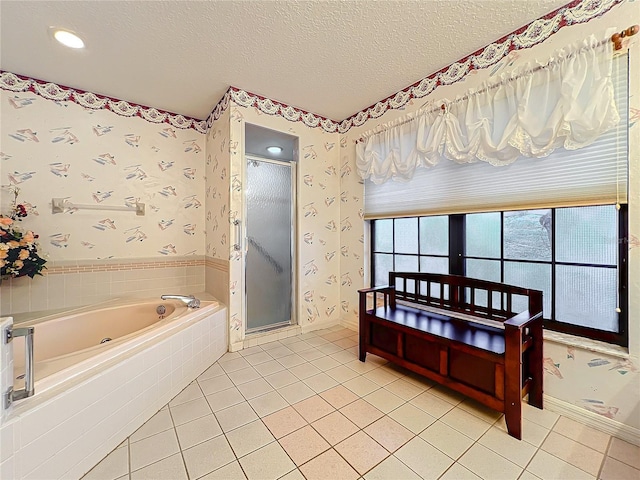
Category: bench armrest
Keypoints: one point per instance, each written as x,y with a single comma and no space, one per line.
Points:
376,289
522,319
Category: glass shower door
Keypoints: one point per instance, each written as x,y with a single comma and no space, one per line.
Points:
269,230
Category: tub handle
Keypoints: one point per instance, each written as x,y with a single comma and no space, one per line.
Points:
29,379
238,234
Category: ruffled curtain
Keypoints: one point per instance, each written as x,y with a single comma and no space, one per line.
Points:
567,103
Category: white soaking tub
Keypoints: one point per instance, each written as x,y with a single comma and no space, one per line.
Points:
90,396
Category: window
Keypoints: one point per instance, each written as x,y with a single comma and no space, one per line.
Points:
575,255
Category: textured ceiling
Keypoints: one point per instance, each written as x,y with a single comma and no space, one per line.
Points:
331,58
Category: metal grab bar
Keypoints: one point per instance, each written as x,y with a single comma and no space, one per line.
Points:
238,235
29,378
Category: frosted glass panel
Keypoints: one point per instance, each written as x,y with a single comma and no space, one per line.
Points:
406,263
434,265
384,265
383,236
484,270
434,235
587,235
269,226
527,235
529,275
482,233
406,235
587,296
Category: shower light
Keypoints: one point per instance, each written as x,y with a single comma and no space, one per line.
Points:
274,150
68,39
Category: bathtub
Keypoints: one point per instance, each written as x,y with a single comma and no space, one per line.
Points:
90,396
68,345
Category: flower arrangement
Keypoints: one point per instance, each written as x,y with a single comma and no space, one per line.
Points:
18,249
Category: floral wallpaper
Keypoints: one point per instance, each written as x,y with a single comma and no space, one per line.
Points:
58,149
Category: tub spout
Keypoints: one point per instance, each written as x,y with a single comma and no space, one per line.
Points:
190,300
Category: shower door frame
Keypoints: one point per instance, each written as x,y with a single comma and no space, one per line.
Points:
293,166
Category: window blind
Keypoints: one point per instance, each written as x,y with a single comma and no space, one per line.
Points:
597,174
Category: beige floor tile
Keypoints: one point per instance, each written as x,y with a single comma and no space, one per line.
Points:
419,381
328,465
170,468
575,453
207,456
434,406
329,348
333,336
235,416
531,432
488,464
517,451
186,412
299,346
320,383
270,461
424,459
316,341
293,475
258,358
404,389
580,433
625,452
245,375
335,427
311,354
313,408
447,439
361,367
110,467
527,475
281,379
345,343
213,371
343,357
447,394
291,361
233,364
465,423
380,376
215,384
231,471
255,388
160,422
225,399
228,356
296,392
391,469
305,370
362,452
458,472
325,363
197,431
304,444
339,396
384,400
544,418
412,417
151,449
361,386
361,413
268,368
484,413
279,352
249,437
191,392
613,469
389,433
267,404
342,374
246,352
545,465
284,421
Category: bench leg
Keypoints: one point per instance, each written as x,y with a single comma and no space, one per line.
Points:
536,370
513,381
513,417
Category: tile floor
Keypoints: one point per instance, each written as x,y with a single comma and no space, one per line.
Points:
305,407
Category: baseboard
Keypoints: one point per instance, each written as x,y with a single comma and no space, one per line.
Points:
310,327
604,424
350,324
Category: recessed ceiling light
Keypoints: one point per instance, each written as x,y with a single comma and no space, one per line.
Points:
274,150
68,39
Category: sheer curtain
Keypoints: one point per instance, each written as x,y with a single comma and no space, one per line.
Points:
568,102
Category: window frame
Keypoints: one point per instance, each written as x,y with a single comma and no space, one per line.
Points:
457,266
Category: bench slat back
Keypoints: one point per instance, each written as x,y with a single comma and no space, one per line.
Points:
495,301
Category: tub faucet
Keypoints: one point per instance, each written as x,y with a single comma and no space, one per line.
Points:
190,300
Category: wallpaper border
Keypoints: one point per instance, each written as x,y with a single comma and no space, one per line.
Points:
52,91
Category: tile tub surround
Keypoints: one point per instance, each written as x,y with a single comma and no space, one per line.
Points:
255,415
86,282
63,434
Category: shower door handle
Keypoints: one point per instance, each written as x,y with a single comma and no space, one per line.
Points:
29,379
238,235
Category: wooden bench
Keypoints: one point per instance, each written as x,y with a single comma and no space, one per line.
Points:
462,333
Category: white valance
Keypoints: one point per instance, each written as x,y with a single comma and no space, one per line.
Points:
568,103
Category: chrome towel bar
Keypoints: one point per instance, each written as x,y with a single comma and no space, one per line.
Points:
29,380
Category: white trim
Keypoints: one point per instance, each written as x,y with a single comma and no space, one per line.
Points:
350,324
604,424
319,325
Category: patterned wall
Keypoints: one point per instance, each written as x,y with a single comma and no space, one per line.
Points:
318,217
601,383
60,149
